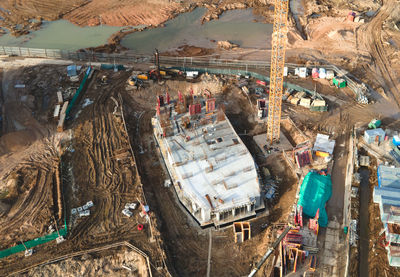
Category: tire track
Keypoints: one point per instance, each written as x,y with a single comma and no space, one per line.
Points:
371,37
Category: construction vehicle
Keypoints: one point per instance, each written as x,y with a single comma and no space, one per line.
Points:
154,74
135,83
279,40
270,250
104,80
143,76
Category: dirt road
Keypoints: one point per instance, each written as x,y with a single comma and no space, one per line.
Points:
370,36
29,160
97,165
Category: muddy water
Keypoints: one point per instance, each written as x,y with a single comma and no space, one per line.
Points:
297,9
364,220
237,26
62,34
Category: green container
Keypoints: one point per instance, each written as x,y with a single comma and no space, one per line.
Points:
375,123
340,83
319,108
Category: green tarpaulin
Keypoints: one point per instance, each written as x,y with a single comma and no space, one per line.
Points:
315,191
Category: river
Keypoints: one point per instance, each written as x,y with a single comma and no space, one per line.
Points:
237,26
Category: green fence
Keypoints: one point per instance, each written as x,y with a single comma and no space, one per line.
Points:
78,92
32,243
37,241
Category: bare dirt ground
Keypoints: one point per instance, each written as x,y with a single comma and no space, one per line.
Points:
29,160
102,170
182,236
96,165
92,264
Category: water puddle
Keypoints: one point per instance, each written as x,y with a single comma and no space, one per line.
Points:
297,9
236,26
62,34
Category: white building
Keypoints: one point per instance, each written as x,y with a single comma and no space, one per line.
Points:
212,171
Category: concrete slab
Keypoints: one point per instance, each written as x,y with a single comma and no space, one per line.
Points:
284,144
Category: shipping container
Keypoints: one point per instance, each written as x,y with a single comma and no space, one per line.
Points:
338,82
374,135
322,73
285,71
315,73
262,83
192,74
396,140
303,72
295,100
330,74
305,102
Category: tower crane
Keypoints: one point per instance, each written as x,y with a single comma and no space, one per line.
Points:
279,40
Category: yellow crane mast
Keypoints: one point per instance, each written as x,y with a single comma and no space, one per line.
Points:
279,39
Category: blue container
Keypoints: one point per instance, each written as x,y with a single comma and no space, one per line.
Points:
396,140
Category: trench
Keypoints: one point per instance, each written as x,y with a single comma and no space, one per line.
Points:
364,220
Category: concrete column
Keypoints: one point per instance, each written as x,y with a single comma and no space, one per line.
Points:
233,212
217,216
248,208
203,214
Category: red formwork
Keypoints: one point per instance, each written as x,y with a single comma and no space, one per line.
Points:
180,96
192,109
210,105
197,108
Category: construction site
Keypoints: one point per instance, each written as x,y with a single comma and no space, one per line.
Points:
175,165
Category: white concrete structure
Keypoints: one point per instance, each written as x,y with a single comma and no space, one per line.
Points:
212,171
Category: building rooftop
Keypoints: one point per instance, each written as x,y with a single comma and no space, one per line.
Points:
387,195
389,177
323,144
210,162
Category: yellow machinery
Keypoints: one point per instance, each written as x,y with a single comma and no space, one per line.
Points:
279,40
